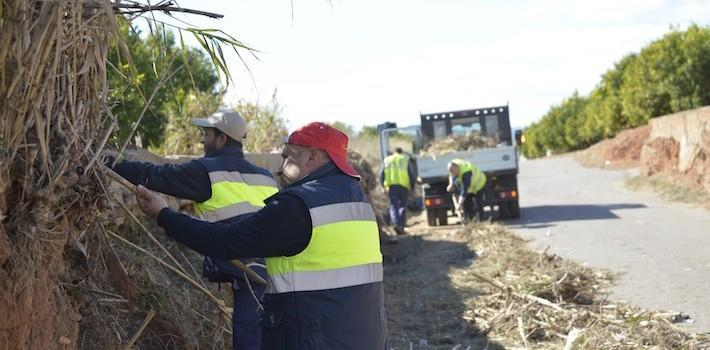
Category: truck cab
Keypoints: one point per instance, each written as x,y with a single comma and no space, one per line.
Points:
499,160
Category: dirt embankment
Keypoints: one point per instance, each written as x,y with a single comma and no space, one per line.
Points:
675,148
679,145
621,152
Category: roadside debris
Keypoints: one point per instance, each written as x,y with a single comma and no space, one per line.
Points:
540,298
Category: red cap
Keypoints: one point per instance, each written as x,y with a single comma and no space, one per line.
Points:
326,138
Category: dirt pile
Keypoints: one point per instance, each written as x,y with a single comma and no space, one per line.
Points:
468,142
620,152
679,145
660,155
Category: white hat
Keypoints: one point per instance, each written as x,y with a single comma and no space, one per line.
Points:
228,122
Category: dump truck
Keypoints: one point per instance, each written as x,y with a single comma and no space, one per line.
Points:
487,143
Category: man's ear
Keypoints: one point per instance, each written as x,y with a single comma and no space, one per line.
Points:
222,140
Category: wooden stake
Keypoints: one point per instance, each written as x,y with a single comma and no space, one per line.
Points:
140,330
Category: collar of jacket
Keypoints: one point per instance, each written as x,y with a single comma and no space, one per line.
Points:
327,169
227,151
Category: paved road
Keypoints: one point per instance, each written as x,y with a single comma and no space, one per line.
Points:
662,248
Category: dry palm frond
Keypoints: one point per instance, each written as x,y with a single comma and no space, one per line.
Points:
54,124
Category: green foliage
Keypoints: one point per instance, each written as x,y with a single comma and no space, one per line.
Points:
267,128
155,57
669,75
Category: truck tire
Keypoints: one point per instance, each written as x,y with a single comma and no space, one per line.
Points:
443,216
514,209
431,217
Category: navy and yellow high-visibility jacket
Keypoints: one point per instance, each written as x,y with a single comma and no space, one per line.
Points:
224,186
330,295
238,188
326,271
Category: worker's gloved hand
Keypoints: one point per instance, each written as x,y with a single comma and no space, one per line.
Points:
150,203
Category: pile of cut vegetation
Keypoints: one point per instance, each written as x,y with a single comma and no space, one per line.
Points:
538,299
455,143
369,185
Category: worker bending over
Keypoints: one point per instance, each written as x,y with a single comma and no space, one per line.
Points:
466,182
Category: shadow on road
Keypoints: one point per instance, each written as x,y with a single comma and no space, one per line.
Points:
546,215
424,310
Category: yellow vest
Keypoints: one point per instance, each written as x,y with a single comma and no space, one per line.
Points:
396,173
234,194
478,178
344,249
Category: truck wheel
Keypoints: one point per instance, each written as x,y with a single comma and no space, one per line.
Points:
443,217
431,217
514,209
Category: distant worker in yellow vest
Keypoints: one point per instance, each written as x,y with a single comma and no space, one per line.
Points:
226,188
397,178
466,181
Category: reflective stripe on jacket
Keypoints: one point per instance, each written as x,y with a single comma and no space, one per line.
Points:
238,188
330,295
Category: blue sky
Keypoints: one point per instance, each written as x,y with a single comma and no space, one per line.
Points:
364,62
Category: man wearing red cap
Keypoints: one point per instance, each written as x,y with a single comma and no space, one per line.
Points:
321,244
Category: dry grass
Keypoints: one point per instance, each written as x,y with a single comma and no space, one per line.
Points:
53,122
540,300
671,188
369,147
64,278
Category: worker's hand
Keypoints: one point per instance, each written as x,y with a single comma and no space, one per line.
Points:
150,203
450,188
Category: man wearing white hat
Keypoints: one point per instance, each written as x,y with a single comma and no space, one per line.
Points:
225,188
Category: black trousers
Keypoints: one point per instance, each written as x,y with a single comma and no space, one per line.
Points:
472,205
